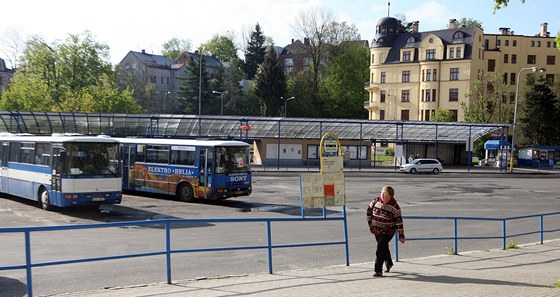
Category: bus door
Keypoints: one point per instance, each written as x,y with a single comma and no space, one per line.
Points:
129,158
205,173
4,169
59,161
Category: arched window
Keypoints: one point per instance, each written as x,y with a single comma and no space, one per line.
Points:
458,35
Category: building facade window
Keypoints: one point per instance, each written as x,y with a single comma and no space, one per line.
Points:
512,78
405,96
458,53
454,74
430,54
405,115
451,53
434,93
427,94
506,58
513,59
429,74
406,56
383,77
382,96
531,59
454,94
515,43
382,115
426,115
454,113
434,77
550,60
550,78
406,76
491,65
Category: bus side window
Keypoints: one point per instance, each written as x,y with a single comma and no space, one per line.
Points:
14,151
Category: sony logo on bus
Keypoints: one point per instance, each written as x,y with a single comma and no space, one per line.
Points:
236,178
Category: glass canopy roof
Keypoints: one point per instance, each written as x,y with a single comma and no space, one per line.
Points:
237,127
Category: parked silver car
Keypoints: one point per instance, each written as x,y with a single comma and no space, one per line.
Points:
422,165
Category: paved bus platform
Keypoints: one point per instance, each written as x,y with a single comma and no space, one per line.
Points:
529,270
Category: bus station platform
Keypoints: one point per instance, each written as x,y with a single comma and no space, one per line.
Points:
529,270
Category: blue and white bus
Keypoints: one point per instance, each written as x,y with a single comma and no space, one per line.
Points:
61,170
186,169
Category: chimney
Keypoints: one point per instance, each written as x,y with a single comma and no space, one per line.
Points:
504,31
415,27
143,51
306,41
544,28
452,24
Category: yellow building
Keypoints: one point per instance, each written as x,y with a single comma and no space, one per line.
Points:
413,74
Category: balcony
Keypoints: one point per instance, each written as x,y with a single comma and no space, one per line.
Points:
370,86
370,105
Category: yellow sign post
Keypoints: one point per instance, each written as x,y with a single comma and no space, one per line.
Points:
326,188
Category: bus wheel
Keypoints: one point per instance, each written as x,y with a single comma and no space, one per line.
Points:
185,192
44,199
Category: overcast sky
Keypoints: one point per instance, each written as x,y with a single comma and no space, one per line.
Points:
126,25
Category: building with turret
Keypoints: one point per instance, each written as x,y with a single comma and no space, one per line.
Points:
412,74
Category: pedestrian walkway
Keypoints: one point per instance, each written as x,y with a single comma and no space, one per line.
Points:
530,270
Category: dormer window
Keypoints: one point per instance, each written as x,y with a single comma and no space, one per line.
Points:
459,35
410,42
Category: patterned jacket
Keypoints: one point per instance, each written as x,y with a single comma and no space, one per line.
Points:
385,218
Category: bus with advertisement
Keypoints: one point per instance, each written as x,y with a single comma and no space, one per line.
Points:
61,170
187,169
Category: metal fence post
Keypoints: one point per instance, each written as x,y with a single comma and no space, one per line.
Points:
168,251
28,263
345,225
396,246
269,242
541,217
455,242
504,234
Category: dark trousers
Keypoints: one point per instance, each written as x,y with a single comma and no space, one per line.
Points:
382,254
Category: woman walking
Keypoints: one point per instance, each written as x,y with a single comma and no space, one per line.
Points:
384,218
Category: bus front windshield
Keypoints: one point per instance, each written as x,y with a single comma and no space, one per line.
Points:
92,159
232,159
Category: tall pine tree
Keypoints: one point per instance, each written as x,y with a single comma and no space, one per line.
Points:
541,116
255,52
270,84
189,89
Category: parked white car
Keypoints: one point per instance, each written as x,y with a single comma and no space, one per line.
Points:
422,165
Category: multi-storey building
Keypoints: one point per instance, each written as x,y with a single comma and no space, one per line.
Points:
5,76
412,74
143,69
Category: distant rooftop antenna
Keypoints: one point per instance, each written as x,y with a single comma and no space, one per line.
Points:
388,8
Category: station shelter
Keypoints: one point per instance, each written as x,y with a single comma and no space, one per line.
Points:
276,141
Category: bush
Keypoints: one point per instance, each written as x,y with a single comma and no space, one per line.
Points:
389,151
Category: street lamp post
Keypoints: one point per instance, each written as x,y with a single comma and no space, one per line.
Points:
285,104
515,112
200,83
165,102
221,100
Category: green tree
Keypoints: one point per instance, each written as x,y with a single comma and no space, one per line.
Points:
499,4
442,115
27,92
488,101
343,88
174,47
541,120
255,52
270,85
300,86
222,47
235,99
190,85
404,26
464,22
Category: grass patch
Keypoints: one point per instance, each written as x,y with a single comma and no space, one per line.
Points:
512,245
451,252
557,284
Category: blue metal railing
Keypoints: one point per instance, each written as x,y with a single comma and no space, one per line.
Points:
456,236
168,250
